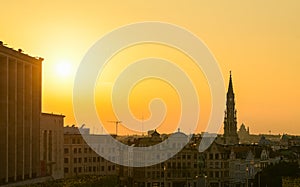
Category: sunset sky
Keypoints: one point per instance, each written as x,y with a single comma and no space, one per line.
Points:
258,40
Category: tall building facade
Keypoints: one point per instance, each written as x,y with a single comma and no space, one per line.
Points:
51,145
20,109
230,123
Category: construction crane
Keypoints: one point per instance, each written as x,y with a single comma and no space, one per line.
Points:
117,123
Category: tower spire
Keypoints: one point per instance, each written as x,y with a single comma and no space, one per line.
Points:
230,87
230,122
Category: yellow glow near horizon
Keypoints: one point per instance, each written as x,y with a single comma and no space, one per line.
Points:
149,89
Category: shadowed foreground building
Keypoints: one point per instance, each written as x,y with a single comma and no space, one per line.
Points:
20,109
184,169
51,145
81,159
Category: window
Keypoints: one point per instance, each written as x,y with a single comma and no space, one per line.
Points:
75,160
66,170
195,156
169,165
79,160
79,150
66,150
211,164
75,150
79,170
226,165
75,170
108,168
188,164
113,167
216,156
85,160
94,159
73,141
226,173
217,174
173,165
179,165
66,160
211,156
102,168
85,150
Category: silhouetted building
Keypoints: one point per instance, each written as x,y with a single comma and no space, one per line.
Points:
217,165
185,168
244,135
81,159
230,129
20,109
51,145
236,165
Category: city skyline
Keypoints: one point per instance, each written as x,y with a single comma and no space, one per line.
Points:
260,48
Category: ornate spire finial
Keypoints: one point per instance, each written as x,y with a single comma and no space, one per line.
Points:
230,87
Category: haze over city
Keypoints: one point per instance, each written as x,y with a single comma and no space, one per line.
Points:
258,41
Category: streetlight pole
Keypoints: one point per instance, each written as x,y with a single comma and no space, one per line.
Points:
247,169
165,168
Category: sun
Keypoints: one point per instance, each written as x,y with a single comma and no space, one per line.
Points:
63,68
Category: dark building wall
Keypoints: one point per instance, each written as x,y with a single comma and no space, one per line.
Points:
20,109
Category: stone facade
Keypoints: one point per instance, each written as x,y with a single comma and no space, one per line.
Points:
51,145
20,109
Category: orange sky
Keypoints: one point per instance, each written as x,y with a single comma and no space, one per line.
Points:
257,40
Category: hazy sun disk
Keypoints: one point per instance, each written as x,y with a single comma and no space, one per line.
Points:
63,69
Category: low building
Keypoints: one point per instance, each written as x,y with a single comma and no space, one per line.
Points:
185,168
217,165
81,159
236,165
51,145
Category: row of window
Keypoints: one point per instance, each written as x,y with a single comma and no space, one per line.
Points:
90,169
164,154
89,150
78,150
218,164
217,156
85,160
218,174
179,165
155,175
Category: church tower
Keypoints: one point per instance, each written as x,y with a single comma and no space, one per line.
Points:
230,129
